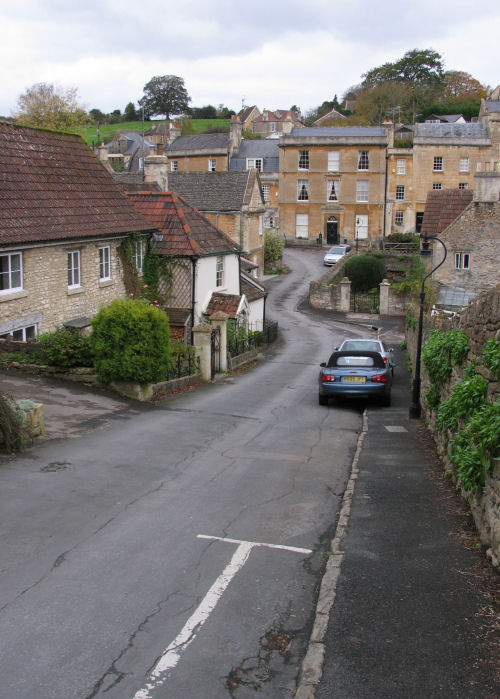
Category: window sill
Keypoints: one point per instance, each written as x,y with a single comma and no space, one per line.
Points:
105,282
76,290
12,295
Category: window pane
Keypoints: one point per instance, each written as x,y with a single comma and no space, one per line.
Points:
303,160
362,190
363,162
302,190
333,160
302,226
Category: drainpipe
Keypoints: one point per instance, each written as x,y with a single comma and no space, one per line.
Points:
193,281
385,196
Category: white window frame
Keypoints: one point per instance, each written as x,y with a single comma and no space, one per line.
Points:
302,225
332,190
174,165
464,165
302,190
437,185
462,260
303,163
212,164
361,232
362,190
399,217
363,160
23,331
256,163
74,270
438,163
105,263
13,273
139,256
463,185
400,192
261,224
266,192
401,166
219,271
333,160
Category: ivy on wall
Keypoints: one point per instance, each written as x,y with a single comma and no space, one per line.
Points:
155,284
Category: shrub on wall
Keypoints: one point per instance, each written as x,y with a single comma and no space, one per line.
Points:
11,435
131,342
443,351
273,251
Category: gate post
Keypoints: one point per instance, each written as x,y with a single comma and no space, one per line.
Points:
219,320
384,287
345,295
202,346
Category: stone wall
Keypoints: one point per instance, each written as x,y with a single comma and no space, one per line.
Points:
480,321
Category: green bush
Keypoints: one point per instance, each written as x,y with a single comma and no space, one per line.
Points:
467,396
273,250
475,447
365,272
443,351
491,356
131,342
65,347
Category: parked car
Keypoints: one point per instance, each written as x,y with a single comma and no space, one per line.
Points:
335,254
355,374
367,343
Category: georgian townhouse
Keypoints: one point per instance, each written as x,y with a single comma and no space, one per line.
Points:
332,183
62,220
207,152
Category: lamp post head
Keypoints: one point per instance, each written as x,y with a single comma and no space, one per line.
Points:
425,250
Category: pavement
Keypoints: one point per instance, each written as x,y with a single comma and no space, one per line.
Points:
408,605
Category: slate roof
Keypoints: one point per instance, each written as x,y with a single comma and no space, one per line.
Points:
450,134
183,230
267,149
374,135
245,113
213,191
137,147
194,143
444,118
493,105
52,187
252,290
443,207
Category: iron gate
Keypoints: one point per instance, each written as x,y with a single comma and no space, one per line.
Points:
215,351
365,303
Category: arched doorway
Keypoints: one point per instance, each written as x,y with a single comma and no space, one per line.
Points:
332,231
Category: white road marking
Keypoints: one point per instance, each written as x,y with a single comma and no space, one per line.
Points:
172,653
395,428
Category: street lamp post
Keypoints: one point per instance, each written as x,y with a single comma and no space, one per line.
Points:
415,406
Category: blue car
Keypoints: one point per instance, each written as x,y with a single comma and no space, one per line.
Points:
355,374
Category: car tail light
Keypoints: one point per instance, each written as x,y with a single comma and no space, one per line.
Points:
379,378
327,378
385,360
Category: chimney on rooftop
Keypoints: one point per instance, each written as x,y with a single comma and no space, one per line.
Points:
235,133
487,184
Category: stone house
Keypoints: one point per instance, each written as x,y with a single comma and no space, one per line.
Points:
205,263
332,183
472,240
208,152
62,219
247,115
329,119
232,201
126,151
273,124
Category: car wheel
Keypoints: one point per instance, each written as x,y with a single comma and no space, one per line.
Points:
323,400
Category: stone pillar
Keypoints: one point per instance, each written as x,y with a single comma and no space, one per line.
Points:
384,287
201,342
219,320
345,295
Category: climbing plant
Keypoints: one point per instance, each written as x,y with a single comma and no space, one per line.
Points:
491,356
443,351
155,285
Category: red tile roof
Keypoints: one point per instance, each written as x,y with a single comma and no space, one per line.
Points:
443,207
229,303
52,187
185,231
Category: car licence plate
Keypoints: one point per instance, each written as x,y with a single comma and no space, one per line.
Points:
354,379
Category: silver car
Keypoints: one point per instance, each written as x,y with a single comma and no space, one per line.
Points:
360,344
335,254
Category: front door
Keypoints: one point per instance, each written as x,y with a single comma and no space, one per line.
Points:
332,231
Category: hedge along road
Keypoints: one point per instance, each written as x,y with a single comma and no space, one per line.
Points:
177,552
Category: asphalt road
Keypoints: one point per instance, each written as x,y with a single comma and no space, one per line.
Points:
125,566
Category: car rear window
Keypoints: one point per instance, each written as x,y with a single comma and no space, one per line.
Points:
336,251
355,361
361,345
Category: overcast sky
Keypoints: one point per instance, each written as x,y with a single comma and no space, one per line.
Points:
272,54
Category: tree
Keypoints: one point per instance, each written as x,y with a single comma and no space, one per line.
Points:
97,116
462,87
365,272
130,113
48,106
165,94
417,67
